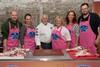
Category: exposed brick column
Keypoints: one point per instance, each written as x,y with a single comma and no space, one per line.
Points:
96,6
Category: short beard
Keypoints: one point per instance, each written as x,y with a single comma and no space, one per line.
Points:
85,13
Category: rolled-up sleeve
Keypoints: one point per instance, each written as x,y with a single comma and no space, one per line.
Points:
37,39
68,36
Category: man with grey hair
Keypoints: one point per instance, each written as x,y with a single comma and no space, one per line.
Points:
43,33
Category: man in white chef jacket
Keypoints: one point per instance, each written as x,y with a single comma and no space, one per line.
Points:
43,33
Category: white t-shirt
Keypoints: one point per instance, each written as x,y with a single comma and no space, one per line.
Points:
64,32
43,33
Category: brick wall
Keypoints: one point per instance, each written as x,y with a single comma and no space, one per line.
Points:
96,7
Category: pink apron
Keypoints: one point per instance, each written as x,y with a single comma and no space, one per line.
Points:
13,36
73,37
57,40
87,37
29,39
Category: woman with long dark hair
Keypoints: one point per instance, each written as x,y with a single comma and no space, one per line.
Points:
72,26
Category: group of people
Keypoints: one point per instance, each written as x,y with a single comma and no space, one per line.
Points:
84,32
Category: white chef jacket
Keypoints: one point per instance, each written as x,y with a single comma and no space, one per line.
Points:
43,33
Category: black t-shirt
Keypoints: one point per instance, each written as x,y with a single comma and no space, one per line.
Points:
94,21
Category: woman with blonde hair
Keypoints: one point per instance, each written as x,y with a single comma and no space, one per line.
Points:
60,35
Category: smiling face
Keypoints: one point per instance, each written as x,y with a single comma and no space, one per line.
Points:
44,19
84,9
13,15
58,21
28,20
71,16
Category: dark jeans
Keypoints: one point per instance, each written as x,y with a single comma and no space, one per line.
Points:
46,45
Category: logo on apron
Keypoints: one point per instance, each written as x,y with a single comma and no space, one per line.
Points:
14,35
31,34
12,65
83,65
55,36
83,28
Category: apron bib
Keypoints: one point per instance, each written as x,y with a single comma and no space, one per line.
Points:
87,37
13,36
57,40
29,39
73,37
